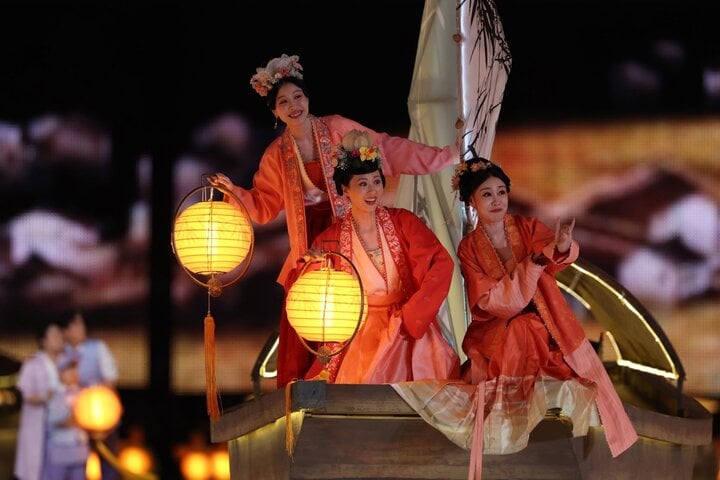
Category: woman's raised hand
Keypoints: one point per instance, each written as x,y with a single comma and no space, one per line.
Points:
563,235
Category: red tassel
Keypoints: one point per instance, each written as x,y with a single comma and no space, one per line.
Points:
211,394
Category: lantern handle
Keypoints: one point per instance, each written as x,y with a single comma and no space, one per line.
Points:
324,257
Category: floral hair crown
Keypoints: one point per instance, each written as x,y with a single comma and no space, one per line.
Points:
278,68
463,167
357,147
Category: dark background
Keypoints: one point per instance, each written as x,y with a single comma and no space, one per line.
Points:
153,71
160,67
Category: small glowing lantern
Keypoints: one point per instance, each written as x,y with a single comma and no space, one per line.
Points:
195,466
220,461
97,409
92,467
326,305
135,459
213,242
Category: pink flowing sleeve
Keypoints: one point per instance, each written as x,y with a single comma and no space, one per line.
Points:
399,155
404,156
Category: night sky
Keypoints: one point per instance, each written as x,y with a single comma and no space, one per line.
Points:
153,70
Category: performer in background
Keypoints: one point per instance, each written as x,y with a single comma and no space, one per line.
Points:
96,366
295,175
68,445
405,271
37,381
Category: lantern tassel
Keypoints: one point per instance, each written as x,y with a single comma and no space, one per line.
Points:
213,407
289,433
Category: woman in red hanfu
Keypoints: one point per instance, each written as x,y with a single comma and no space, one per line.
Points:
527,352
405,271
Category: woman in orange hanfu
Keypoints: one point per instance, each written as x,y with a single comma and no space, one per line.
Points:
527,352
406,273
295,173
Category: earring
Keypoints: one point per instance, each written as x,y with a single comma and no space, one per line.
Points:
275,127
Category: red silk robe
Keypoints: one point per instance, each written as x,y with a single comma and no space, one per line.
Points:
527,352
401,338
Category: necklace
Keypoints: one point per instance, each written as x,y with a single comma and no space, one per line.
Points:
498,237
376,255
305,145
503,252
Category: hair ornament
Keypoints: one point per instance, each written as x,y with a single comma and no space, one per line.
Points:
463,167
278,68
357,146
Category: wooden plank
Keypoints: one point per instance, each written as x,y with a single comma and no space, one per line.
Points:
646,459
260,454
248,416
311,396
642,390
333,448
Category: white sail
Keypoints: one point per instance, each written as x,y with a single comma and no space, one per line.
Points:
461,67
483,66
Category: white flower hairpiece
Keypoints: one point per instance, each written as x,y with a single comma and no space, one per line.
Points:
357,146
278,68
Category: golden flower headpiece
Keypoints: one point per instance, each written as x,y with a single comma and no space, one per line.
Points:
357,146
278,68
463,167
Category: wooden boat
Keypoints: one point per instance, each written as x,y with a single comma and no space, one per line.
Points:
369,432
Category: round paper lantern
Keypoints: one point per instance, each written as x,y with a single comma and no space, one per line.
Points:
97,409
212,237
326,305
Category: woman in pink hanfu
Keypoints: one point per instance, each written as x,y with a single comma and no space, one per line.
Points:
37,381
295,175
406,273
527,351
